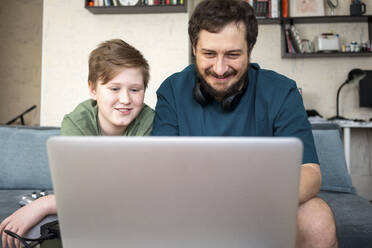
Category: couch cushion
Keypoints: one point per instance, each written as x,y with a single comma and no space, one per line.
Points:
353,216
335,176
23,157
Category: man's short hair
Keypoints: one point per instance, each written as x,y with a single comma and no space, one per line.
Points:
110,57
213,15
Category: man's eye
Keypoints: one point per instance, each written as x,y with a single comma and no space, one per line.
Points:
209,55
233,55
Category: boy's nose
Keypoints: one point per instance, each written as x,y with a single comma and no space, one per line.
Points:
124,97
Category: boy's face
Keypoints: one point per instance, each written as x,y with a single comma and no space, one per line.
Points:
119,101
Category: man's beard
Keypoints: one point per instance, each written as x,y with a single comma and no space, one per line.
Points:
220,94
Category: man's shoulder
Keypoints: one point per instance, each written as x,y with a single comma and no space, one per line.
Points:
272,87
180,79
270,79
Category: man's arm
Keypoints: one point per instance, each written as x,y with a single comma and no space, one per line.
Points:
292,121
310,181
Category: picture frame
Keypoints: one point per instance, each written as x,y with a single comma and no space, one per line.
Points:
306,8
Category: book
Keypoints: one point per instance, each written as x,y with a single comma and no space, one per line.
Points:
290,48
274,9
261,8
250,2
295,39
285,8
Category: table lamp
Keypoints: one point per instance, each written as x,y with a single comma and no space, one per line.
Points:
354,75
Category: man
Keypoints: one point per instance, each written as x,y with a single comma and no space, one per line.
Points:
224,95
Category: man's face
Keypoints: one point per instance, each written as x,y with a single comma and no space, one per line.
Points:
222,58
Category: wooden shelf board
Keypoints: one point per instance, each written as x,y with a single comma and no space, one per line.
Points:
328,19
325,54
138,9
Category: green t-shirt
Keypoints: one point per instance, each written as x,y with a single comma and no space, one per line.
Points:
83,121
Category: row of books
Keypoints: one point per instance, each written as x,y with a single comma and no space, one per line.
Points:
265,8
101,3
293,40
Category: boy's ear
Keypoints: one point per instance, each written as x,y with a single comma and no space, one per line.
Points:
92,90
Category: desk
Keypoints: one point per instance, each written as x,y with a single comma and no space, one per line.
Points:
346,125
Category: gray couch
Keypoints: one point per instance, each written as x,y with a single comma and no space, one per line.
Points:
353,214
23,165
24,168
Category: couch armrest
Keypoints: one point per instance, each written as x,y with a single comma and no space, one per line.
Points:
328,143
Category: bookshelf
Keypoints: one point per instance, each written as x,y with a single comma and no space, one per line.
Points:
138,9
282,21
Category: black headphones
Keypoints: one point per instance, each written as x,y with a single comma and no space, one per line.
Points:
228,103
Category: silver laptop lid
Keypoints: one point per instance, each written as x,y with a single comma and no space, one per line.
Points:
176,192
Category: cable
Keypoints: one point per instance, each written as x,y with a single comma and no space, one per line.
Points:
16,236
23,240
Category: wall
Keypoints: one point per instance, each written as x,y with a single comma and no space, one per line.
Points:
71,32
20,64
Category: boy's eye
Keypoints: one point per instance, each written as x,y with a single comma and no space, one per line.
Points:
135,89
114,89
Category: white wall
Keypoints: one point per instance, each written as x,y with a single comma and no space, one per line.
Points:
71,32
20,63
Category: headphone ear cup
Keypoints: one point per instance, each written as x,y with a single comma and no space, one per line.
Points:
202,97
229,103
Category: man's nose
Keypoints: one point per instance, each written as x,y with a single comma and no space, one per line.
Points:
220,66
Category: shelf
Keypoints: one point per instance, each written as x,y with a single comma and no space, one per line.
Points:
326,54
324,19
139,9
269,20
328,19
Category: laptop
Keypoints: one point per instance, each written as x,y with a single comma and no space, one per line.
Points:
176,192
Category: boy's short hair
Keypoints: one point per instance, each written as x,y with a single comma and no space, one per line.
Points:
106,61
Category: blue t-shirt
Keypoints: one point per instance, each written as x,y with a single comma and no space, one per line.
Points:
271,106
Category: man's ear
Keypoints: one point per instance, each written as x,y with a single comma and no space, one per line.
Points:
92,90
194,51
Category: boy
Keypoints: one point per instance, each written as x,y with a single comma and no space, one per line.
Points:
117,80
